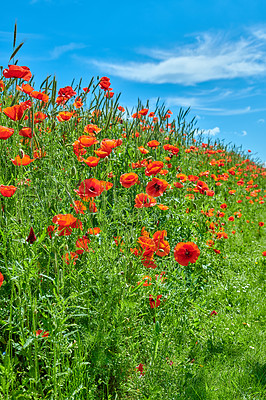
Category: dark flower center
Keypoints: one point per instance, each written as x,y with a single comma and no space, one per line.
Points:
156,186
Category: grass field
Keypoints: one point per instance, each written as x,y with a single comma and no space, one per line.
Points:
132,251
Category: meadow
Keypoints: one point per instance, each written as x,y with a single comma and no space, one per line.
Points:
132,250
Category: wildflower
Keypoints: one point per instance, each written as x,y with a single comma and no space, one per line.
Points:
213,313
15,112
156,187
79,207
144,200
39,117
154,303
91,161
15,71
162,207
89,188
1,279
25,160
153,168
82,244
5,132
129,179
264,253
93,231
64,116
8,190
104,83
31,238
261,223
91,129
78,102
139,368
68,257
44,333
40,96
26,132
186,252
65,223
153,144
143,150
223,205
2,86
87,141
65,94
25,88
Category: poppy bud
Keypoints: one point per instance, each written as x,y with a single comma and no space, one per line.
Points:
31,238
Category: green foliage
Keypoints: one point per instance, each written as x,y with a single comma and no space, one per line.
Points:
80,324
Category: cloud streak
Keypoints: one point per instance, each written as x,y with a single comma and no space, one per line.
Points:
209,58
58,51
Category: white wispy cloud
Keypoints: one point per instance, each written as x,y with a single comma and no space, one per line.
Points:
211,57
58,51
209,132
244,133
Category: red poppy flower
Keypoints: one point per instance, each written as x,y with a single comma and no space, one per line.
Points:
5,132
26,132
15,112
91,161
153,143
144,200
154,303
264,253
25,160
39,117
140,369
147,244
78,102
68,257
102,153
7,191
156,187
153,168
64,116
162,207
104,83
40,96
213,313
44,333
64,220
178,185
78,149
129,179
82,244
162,246
1,279
31,238
2,86
186,252
261,223
90,188
25,88
65,94
143,150
93,231
15,71
91,129
79,207
87,141
108,144
106,185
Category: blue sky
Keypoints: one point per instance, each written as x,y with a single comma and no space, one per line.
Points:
209,55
